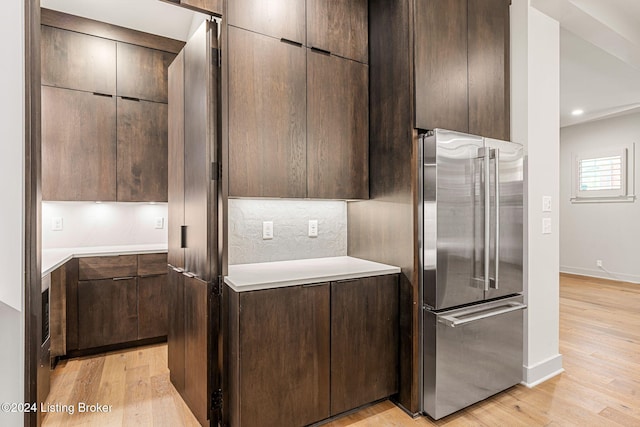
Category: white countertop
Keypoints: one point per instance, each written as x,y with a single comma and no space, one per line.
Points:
268,275
54,258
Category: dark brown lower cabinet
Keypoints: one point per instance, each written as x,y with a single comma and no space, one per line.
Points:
196,347
283,357
107,312
364,341
175,336
152,306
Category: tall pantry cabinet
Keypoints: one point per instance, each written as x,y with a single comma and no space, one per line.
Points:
194,264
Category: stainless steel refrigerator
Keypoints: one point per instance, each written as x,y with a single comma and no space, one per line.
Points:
471,268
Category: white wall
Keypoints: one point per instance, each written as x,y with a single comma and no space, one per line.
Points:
103,224
535,56
11,212
290,230
599,231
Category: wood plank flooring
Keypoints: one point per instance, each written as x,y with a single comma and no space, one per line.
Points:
599,341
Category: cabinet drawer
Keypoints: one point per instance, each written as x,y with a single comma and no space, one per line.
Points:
108,267
152,264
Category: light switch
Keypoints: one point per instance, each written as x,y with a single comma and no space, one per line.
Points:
546,225
546,203
267,230
313,228
159,223
56,223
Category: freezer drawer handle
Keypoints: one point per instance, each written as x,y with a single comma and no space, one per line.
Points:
453,320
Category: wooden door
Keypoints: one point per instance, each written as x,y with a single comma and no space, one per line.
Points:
364,341
175,330
175,171
267,117
200,152
489,85
441,80
284,356
142,72
78,61
340,27
142,151
153,310
276,18
78,146
206,6
199,356
337,128
107,312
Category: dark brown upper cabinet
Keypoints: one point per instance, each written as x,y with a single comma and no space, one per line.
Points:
78,145
339,26
337,127
489,95
142,72
441,65
78,61
205,6
267,116
462,66
142,151
275,18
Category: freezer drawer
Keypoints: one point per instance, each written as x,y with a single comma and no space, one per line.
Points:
470,354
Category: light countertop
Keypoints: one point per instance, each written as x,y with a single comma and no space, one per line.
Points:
54,258
268,275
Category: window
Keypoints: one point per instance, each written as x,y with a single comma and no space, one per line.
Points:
603,176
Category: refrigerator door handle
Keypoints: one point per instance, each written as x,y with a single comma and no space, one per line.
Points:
484,153
494,283
461,318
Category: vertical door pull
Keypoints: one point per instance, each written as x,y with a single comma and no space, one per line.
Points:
496,155
183,236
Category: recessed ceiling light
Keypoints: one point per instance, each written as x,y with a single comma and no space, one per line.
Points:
577,112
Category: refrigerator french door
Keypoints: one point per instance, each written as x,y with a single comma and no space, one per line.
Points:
471,239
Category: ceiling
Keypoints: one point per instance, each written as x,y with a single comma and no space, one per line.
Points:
599,57
599,45
150,16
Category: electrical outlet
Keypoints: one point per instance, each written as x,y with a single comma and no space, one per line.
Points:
267,230
159,223
546,203
313,228
599,263
56,223
546,225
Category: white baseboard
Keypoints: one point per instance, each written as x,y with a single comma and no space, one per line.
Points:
600,274
540,372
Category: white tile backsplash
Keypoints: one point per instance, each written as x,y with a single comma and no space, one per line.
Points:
290,230
103,224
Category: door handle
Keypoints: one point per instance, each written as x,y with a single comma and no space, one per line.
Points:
183,236
496,155
467,316
485,154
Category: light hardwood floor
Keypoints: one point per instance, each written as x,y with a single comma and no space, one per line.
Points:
599,341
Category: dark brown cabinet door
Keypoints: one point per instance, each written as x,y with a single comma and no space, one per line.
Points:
284,356
78,61
197,356
267,116
142,151
200,151
441,80
175,332
78,146
152,306
152,264
364,341
142,72
339,26
275,18
107,312
175,185
489,92
207,6
337,128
